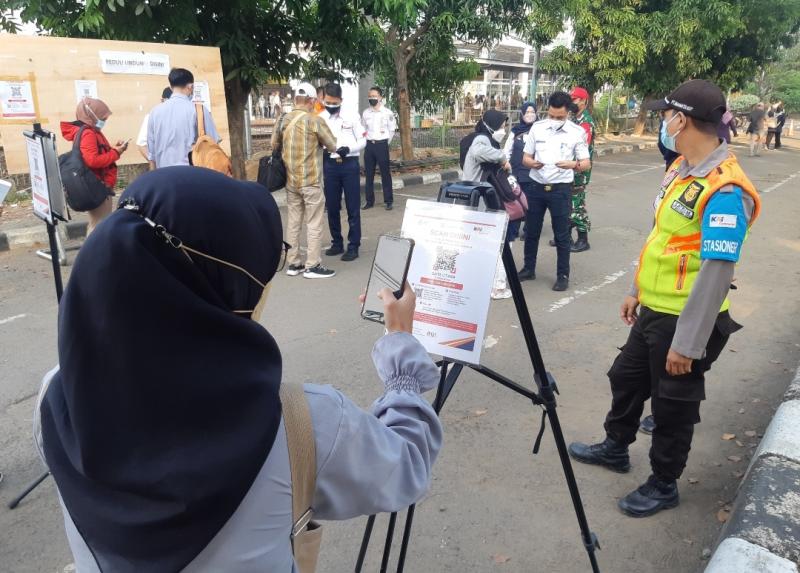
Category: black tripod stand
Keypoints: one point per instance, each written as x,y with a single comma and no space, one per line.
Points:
545,398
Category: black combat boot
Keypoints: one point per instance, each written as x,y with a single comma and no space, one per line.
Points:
647,425
609,453
650,497
582,244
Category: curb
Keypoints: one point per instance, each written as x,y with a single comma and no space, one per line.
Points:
763,532
30,236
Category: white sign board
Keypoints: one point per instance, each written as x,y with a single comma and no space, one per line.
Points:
452,271
85,88
39,190
16,100
142,63
202,94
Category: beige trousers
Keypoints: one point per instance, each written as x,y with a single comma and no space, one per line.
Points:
305,205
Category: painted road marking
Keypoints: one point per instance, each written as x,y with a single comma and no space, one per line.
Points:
424,197
600,162
609,279
636,172
779,184
12,318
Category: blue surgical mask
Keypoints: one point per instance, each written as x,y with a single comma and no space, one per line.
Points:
668,140
100,123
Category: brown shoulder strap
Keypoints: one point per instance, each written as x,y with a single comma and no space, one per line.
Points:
201,120
302,452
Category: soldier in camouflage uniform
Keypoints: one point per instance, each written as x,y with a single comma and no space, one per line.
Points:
579,217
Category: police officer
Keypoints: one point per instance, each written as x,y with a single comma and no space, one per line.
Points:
554,151
341,174
380,124
704,210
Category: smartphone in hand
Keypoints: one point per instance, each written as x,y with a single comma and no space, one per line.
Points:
389,270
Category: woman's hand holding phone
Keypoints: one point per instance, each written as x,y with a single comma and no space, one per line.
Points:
398,314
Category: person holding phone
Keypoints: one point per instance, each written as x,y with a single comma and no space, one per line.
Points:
97,153
173,456
555,150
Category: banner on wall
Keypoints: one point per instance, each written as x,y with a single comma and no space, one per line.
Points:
142,63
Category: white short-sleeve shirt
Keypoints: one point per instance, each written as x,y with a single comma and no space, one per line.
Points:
549,146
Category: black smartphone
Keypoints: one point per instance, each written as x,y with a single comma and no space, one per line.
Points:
389,270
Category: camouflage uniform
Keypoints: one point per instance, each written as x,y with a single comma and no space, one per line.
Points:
579,217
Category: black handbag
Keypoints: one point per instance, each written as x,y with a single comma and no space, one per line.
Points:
272,169
272,172
83,189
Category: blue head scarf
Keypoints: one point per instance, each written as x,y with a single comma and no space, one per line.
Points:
166,403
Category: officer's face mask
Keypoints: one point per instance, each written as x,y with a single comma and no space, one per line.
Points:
668,140
373,101
333,109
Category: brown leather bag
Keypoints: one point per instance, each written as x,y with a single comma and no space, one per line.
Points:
206,152
306,535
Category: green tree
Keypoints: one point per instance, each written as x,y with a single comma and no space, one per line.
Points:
418,46
653,45
258,39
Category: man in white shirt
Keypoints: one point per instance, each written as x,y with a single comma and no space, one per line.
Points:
341,174
141,139
554,150
380,124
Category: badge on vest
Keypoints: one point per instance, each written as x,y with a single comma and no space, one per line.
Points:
684,205
669,178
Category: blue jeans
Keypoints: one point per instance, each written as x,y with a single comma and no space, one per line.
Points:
558,201
343,178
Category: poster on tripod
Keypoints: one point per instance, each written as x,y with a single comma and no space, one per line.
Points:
452,271
39,191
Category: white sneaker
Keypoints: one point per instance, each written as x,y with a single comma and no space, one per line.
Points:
294,270
318,272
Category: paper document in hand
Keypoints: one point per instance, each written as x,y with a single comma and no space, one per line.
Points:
452,272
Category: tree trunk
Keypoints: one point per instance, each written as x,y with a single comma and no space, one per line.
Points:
641,120
236,94
403,103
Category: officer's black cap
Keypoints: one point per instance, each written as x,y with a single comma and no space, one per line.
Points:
700,99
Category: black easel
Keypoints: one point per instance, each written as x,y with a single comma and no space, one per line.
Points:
545,398
55,258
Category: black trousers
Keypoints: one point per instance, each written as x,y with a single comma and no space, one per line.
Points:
377,153
557,199
343,179
639,372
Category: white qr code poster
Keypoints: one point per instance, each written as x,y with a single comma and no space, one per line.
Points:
452,270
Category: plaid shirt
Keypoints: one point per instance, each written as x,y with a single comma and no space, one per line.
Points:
299,148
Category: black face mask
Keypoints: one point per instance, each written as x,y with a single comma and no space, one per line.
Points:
373,101
333,109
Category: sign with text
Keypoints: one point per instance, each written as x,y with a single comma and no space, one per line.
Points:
16,100
202,94
142,63
84,89
452,271
39,191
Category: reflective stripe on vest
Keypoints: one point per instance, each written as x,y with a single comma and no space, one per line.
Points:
670,259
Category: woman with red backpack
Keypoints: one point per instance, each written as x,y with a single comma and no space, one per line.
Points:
97,153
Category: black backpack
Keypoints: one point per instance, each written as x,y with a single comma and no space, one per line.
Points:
84,190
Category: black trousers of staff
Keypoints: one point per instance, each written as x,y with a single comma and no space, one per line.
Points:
377,153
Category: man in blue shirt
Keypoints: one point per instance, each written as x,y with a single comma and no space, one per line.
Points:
172,128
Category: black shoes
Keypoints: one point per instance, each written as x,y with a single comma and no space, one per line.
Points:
333,251
294,270
366,206
582,244
650,497
527,274
552,242
350,255
609,454
647,425
318,272
388,207
562,283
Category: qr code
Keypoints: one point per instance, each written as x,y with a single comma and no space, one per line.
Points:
418,292
445,260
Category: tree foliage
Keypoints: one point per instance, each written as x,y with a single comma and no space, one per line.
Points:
653,45
258,39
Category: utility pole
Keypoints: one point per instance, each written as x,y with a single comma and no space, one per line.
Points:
534,72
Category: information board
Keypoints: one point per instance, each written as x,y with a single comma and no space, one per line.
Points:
452,271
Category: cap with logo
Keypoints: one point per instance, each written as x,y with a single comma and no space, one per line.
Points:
305,89
700,99
579,93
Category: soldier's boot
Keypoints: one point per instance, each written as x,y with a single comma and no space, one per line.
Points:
651,497
582,244
608,453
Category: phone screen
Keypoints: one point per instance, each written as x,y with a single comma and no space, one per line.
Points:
389,270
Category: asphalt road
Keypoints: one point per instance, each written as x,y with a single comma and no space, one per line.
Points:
492,505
